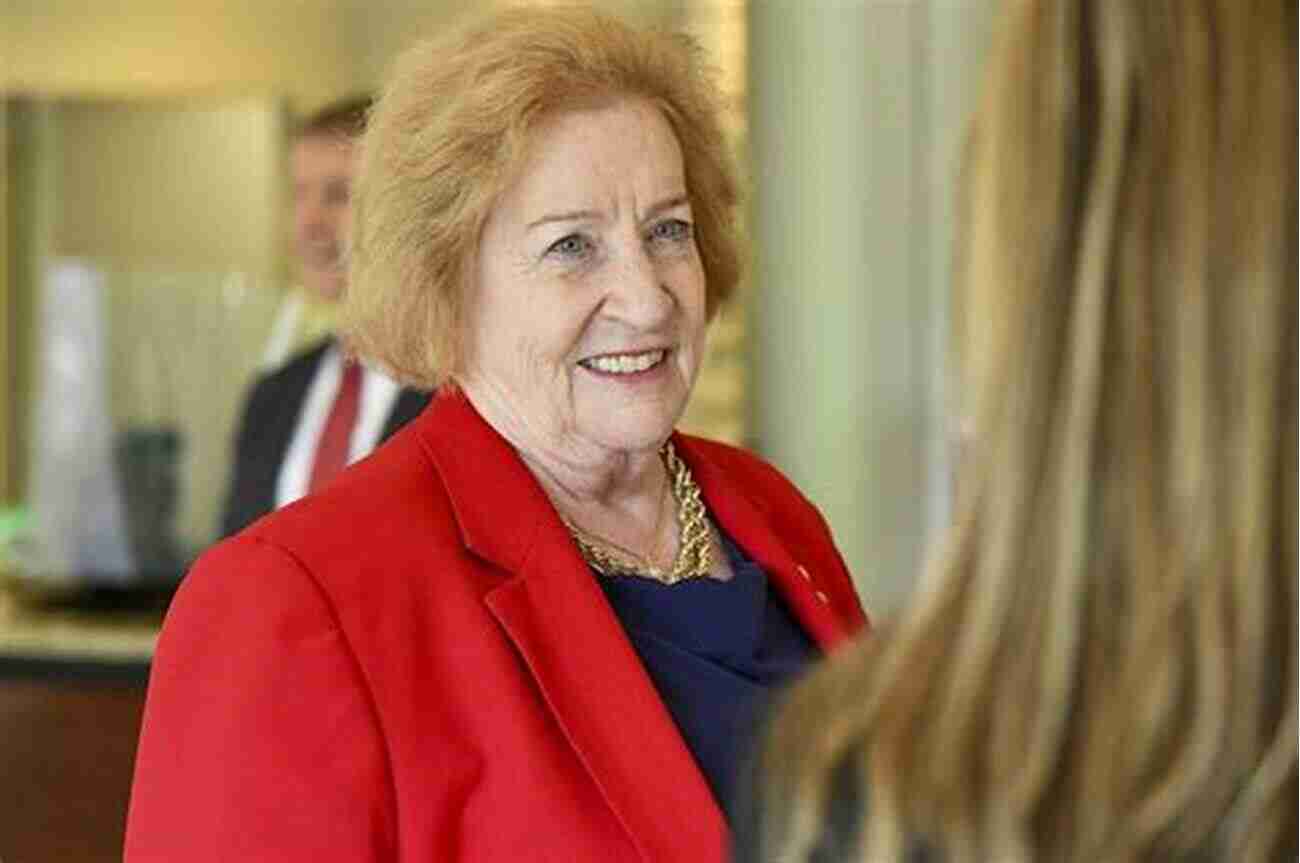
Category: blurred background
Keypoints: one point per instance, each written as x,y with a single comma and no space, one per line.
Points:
144,254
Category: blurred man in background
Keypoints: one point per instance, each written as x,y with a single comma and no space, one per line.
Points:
313,411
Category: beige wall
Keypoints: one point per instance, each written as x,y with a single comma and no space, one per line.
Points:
286,48
308,51
178,184
8,462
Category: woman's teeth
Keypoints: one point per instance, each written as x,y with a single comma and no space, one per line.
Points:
623,364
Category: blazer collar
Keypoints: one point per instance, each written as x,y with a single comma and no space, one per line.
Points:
499,506
557,617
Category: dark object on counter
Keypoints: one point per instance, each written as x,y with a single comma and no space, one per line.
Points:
148,465
98,593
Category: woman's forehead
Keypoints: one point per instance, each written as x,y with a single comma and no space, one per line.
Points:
583,158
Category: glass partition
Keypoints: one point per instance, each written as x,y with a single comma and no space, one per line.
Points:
144,268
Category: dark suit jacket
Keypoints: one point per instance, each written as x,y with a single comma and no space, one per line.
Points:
415,664
267,426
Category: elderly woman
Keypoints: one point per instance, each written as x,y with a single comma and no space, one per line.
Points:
1101,665
535,624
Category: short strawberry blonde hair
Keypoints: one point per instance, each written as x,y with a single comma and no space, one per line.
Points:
451,131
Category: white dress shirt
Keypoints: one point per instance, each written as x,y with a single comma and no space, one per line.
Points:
378,394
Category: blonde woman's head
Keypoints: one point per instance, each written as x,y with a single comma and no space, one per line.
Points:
1100,664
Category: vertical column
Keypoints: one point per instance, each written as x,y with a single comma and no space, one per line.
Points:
838,226
31,200
856,113
8,492
718,405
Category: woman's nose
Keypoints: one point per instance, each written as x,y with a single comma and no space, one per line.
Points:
640,293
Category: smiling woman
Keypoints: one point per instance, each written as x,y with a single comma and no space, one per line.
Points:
587,322
539,599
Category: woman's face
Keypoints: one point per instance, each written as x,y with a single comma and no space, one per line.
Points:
586,320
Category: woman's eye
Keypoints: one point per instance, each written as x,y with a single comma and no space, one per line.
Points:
571,246
671,231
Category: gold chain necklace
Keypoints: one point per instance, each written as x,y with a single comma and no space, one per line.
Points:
694,551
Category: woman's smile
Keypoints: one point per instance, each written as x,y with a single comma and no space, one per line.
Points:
632,365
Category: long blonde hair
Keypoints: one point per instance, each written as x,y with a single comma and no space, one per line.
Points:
1100,663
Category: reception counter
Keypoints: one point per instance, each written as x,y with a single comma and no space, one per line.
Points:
72,685
86,639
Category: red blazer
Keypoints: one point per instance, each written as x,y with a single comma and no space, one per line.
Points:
416,664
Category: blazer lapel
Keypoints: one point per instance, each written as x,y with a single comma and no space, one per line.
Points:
574,646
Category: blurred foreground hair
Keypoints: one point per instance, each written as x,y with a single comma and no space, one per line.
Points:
1100,662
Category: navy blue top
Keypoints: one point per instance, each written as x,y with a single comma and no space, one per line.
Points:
716,651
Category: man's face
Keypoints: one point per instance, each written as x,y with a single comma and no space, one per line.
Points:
322,169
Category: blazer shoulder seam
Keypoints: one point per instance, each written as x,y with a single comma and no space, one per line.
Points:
358,668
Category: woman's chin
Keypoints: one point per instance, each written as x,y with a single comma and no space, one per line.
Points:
634,434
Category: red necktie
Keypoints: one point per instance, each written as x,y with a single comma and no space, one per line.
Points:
335,440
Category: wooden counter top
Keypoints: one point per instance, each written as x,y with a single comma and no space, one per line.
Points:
51,631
